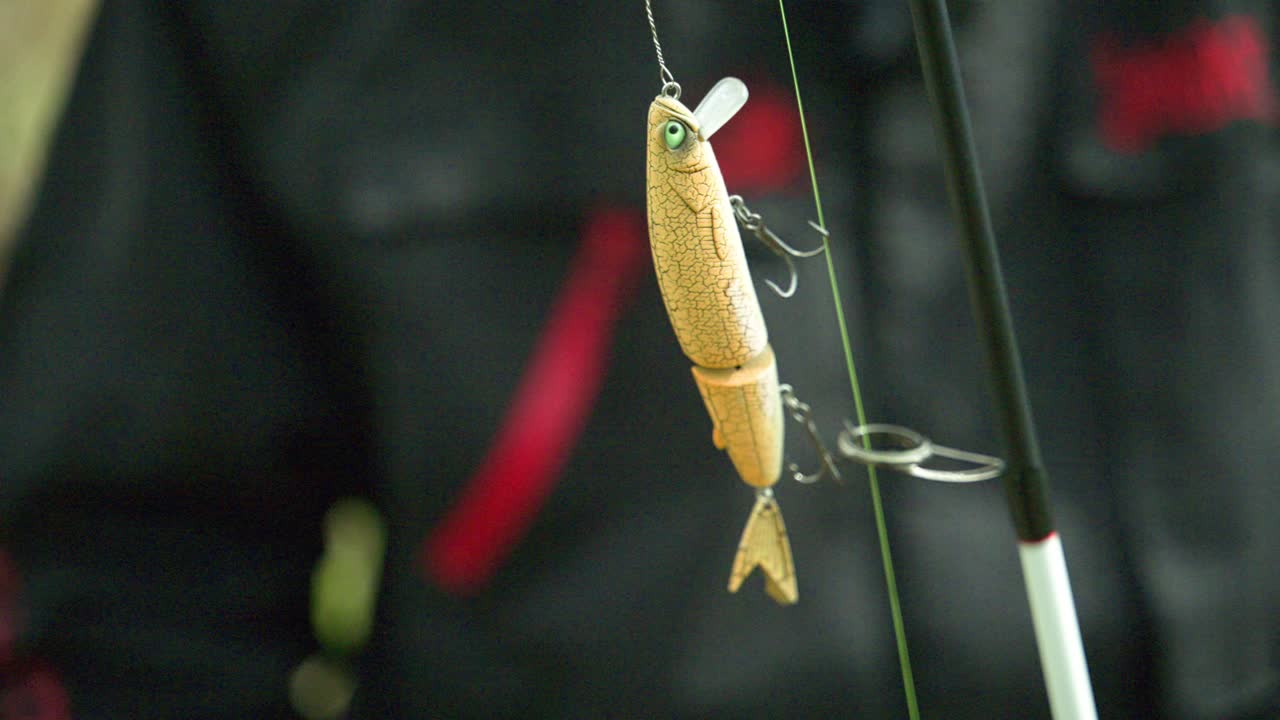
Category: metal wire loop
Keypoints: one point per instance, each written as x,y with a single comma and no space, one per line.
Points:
750,220
803,414
916,450
985,467
670,87
854,443
908,453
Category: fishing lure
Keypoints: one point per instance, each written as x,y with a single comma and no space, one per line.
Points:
711,301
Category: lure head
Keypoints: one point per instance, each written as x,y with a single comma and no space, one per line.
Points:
675,142
678,137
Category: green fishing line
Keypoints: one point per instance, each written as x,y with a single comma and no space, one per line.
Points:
895,606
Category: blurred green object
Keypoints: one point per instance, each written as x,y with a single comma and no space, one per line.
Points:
40,43
344,586
321,688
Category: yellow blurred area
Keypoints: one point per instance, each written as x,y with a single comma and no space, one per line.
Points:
40,43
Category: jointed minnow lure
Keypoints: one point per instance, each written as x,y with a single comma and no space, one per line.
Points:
708,292
712,305
709,296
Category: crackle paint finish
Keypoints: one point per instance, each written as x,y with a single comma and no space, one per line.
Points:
711,301
697,252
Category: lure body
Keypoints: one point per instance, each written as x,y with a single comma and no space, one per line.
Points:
697,252
711,301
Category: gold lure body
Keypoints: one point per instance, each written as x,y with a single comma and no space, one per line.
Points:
711,301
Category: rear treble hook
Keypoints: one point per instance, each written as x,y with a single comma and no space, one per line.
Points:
803,414
755,223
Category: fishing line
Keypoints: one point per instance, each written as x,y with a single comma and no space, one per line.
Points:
670,87
886,556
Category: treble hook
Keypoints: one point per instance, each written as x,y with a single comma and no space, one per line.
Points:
755,223
803,414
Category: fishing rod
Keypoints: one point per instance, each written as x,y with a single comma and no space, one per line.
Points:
691,203
1044,566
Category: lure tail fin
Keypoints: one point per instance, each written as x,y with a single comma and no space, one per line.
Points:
764,543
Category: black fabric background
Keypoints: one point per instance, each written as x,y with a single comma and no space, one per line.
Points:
290,251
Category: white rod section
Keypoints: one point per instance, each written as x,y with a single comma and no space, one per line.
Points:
1053,612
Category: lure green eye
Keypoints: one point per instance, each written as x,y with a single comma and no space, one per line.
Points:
674,132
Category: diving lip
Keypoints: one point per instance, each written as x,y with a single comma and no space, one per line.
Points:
722,102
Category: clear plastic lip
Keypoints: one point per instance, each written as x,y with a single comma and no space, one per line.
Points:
722,102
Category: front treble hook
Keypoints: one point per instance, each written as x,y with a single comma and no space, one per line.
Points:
755,223
803,414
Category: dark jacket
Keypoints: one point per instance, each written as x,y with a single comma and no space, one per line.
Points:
290,252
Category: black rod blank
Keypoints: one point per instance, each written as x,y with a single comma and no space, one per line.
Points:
1025,481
